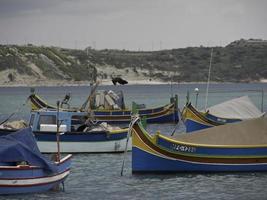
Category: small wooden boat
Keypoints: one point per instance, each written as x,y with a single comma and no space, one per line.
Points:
77,135
163,114
104,108
195,120
235,147
231,111
23,169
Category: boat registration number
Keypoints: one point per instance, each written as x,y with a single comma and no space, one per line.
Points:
183,148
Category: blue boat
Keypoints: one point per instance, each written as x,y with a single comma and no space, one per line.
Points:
235,147
231,111
78,133
23,169
195,120
117,114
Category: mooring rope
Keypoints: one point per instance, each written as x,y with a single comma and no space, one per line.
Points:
12,114
135,118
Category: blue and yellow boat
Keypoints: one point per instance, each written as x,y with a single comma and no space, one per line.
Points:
162,114
195,120
231,111
235,147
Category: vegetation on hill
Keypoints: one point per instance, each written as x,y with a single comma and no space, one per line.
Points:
240,61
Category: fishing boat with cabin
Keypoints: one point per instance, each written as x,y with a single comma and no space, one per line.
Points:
23,169
79,133
235,147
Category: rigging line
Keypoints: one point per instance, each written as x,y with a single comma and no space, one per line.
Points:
208,83
12,114
178,123
134,119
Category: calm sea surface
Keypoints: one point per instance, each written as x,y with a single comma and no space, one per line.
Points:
97,176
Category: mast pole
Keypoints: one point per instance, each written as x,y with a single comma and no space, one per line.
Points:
58,146
262,96
208,83
171,86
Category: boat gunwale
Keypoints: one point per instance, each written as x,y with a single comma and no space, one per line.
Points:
172,140
202,117
163,112
30,167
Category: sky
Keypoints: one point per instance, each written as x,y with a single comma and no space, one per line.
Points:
131,24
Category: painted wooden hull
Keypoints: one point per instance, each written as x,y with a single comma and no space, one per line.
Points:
161,154
195,120
113,146
164,114
96,142
29,179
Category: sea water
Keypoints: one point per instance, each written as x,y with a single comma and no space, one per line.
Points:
97,176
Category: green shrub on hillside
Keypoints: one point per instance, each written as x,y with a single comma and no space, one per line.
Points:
239,61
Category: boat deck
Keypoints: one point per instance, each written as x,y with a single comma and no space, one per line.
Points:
249,132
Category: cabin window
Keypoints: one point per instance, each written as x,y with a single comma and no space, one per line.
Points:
47,119
31,120
77,121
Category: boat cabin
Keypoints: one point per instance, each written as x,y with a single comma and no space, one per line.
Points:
46,120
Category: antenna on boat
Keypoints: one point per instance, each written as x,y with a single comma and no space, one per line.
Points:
171,86
208,83
197,92
58,146
262,97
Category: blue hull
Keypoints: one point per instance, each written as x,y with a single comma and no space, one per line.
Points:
29,189
194,126
74,137
145,162
195,120
169,118
80,137
164,119
30,180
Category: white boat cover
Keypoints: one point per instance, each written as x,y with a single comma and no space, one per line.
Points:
248,132
238,108
108,100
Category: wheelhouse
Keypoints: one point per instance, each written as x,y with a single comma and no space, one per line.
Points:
46,120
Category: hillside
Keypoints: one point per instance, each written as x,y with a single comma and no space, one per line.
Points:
240,61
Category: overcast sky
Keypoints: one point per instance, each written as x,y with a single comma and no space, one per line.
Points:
131,24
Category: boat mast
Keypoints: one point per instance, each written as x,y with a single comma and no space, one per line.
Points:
208,83
171,86
58,146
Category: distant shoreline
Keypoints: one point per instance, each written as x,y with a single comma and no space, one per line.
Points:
108,82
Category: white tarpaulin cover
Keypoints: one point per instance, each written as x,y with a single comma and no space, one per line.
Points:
239,108
248,132
108,100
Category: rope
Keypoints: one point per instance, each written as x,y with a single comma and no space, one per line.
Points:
135,118
12,114
178,123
